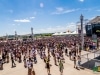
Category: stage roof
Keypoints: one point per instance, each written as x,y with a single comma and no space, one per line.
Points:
96,20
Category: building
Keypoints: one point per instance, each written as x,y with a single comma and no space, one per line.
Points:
93,27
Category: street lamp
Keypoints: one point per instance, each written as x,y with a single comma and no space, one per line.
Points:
82,35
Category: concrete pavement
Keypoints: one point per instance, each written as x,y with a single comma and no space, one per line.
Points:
40,68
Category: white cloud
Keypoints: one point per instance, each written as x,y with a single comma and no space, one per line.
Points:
41,5
16,24
69,26
32,17
88,9
59,9
68,11
22,20
64,11
81,0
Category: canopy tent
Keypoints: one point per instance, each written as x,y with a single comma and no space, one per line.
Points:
67,33
62,33
74,32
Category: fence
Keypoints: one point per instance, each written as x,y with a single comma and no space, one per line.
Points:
90,60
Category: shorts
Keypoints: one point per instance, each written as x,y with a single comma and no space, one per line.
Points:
47,65
61,69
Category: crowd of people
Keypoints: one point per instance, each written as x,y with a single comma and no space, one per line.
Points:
56,47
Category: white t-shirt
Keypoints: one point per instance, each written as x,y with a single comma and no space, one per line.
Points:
29,64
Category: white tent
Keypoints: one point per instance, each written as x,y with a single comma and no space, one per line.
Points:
56,33
62,33
74,32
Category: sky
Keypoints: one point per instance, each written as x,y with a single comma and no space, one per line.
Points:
45,16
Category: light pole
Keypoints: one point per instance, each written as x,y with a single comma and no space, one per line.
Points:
78,25
32,36
15,35
6,36
82,35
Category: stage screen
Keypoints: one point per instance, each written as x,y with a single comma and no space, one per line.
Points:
96,29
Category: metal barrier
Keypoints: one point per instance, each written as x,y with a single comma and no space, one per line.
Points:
90,60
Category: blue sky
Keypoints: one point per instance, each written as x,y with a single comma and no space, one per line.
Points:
44,15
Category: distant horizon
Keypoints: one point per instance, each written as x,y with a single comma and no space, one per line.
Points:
25,34
30,33
45,16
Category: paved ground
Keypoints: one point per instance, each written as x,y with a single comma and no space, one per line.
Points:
40,69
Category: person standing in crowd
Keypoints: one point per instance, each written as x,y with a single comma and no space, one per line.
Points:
61,67
70,53
35,59
4,57
12,61
7,57
74,59
80,48
1,64
48,66
33,72
79,61
19,57
49,57
30,66
33,55
0,51
58,56
55,61
94,45
62,58
24,60
66,52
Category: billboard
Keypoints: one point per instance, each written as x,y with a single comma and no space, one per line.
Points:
93,29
